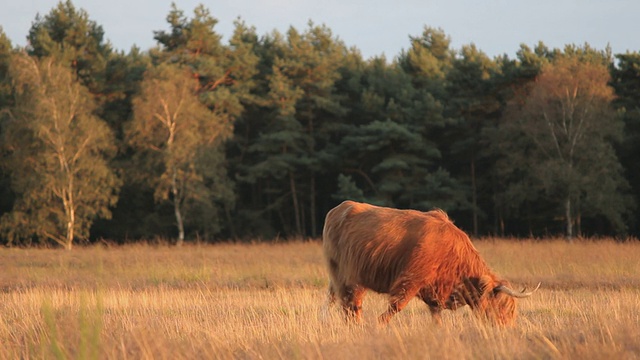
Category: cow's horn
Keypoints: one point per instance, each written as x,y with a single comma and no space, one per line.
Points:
519,294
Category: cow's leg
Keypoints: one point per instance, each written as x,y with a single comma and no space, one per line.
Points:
331,299
400,295
358,296
351,297
334,283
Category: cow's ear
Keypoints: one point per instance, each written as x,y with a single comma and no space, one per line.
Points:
487,283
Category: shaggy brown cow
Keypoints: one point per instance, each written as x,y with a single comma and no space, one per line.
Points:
407,254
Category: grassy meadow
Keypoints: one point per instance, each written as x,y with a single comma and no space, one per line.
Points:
267,301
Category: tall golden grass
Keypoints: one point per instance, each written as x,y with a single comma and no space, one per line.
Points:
267,301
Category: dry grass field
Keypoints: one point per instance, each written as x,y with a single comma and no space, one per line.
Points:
266,301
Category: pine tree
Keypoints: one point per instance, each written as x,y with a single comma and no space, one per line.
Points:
428,60
388,144
626,82
514,194
68,35
6,101
473,103
288,151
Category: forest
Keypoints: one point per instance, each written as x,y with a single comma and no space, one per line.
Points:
257,137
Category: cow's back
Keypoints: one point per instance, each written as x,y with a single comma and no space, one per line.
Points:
371,245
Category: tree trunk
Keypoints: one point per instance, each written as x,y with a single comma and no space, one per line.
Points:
70,226
530,219
578,218
296,207
71,213
474,197
176,208
567,214
312,205
232,227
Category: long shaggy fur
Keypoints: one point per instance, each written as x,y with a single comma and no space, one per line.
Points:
407,253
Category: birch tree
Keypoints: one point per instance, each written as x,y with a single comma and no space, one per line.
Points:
57,154
170,131
223,81
568,128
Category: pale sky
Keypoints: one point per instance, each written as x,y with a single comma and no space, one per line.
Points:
374,26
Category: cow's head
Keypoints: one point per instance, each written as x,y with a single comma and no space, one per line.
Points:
491,299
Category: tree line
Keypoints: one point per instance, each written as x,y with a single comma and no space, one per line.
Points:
260,136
